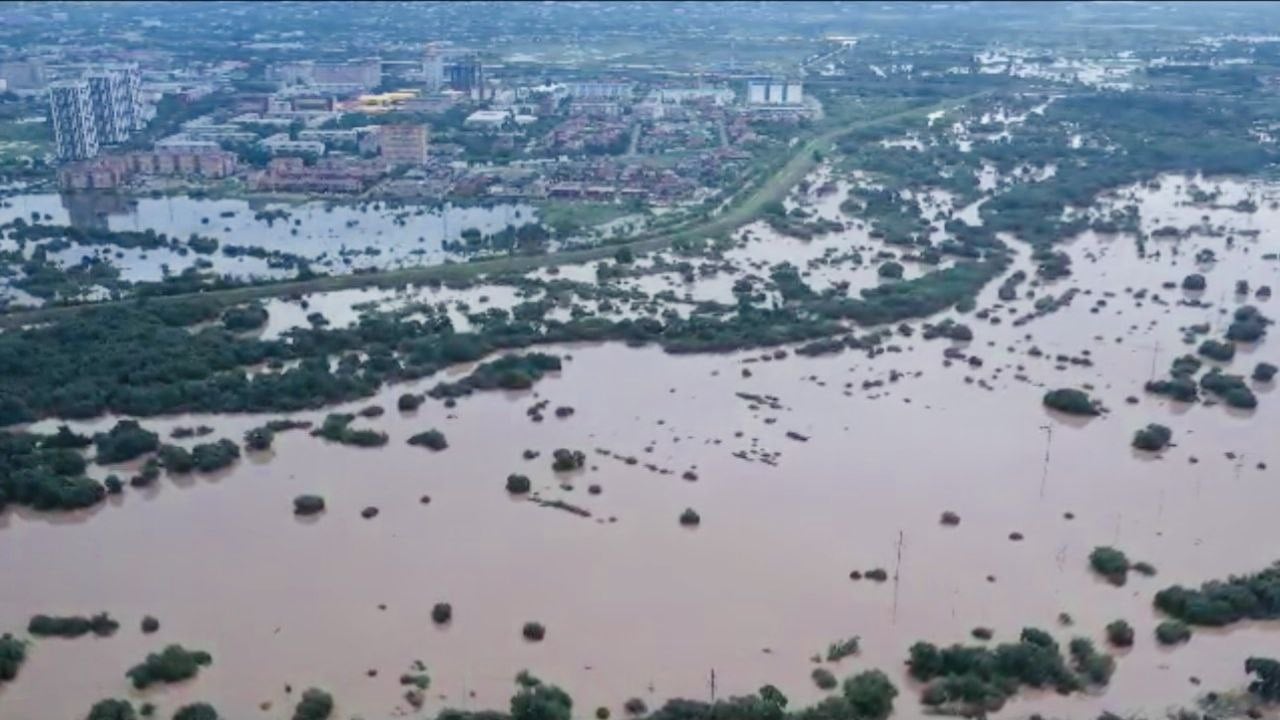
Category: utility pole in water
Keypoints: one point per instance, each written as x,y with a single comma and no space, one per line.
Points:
713,684
897,573
1048,443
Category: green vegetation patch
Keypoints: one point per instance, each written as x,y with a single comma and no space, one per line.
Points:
173,664
1217,603
72,626
510,372
981,679
13,652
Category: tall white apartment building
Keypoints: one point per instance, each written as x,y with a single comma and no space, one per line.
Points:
131,78
111,104
103,108
74,129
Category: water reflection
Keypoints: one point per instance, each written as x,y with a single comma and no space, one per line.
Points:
337,237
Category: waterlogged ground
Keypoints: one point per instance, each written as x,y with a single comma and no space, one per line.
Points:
636,605
334,237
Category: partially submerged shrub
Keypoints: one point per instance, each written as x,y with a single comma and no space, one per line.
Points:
1120,633
1071,402
13,652
431,439
125,441
564,460
1110,563
308,505
870,695
441,613
1172,632
196,711
1264,372
533,631
518,484
823,678
1216,350
173,664
316,704
72,626
111,709
841,649
1154,437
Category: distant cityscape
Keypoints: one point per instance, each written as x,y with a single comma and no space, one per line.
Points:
455,122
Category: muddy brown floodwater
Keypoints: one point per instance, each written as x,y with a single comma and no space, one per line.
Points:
644,607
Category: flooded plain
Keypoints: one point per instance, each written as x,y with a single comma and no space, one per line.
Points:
635,605
338,237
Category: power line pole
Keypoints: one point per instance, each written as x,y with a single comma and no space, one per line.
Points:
897,574
1048,444
713,684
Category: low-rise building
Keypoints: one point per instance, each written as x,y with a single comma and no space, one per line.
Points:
328,175
403,145
113,171
282,144
487,119
329,136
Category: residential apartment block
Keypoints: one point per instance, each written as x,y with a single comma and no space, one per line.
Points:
74,129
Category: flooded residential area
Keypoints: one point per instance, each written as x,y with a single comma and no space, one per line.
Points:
956,398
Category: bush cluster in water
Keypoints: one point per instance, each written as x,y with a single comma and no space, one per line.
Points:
243,318
1172,632
112,710
981,679
1070,401
196,711
46,472
518,484
1153,437
509,372
1266,684
144,359
125,441
1114,565
1217,350
205,457
1264,372
308,505
432,439
1248,324
173,664
316,704
533,631
565,460
1223,602
13,652
337,428
1120,633
441,613
72,626
1231,388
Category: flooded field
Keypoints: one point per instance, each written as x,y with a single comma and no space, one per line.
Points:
849,469
337,237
